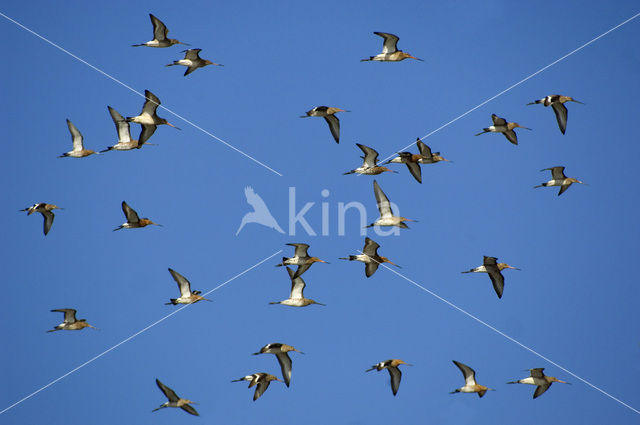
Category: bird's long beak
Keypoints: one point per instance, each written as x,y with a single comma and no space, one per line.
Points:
391,262
583,183
526,128
577,101
171,125
418,59
185,44
315,302
514,268
298,351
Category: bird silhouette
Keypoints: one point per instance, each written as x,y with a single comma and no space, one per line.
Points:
260,213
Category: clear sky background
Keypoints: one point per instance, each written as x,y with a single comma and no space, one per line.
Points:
574,301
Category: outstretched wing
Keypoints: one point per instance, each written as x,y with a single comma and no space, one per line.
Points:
122,126
540,389
561,115
285,366
159,29
390,43
334,126
424,149
497,120
415,170
69,314
396,375
192,54
384,206
183,283
297,285
168,392
301,249
76,136
370,155
370,247
48,221
496,279
129,213
511,136
468,373
260,389
151,104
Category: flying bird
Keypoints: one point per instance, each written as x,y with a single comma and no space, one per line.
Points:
300,258
174,400
192,61
281,351
370,163
386,215
425,156
390,52
557,102
328,113
491,266
47,214
500,125
296,297
538,378
369,257
261,380
559,179
394,371
160,32
187,296
133,221
470,384
70,323
125,142
148,118
260,213
78,150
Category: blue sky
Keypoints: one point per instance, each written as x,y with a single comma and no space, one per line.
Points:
574,301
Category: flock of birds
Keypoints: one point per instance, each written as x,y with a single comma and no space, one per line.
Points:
149,120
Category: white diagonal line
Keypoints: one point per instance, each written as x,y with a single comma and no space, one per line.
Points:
134,335
499,332
138,93
519,82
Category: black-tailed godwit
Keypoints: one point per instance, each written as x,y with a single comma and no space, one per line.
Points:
296,296
78,150
491,266
174,400
557,103
192,61
261,380
70,323
470,384
394,371
47,214
390,52
328,113
500,125
133,221
538,378
160,32
369,257
280,350
386,215
559,179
